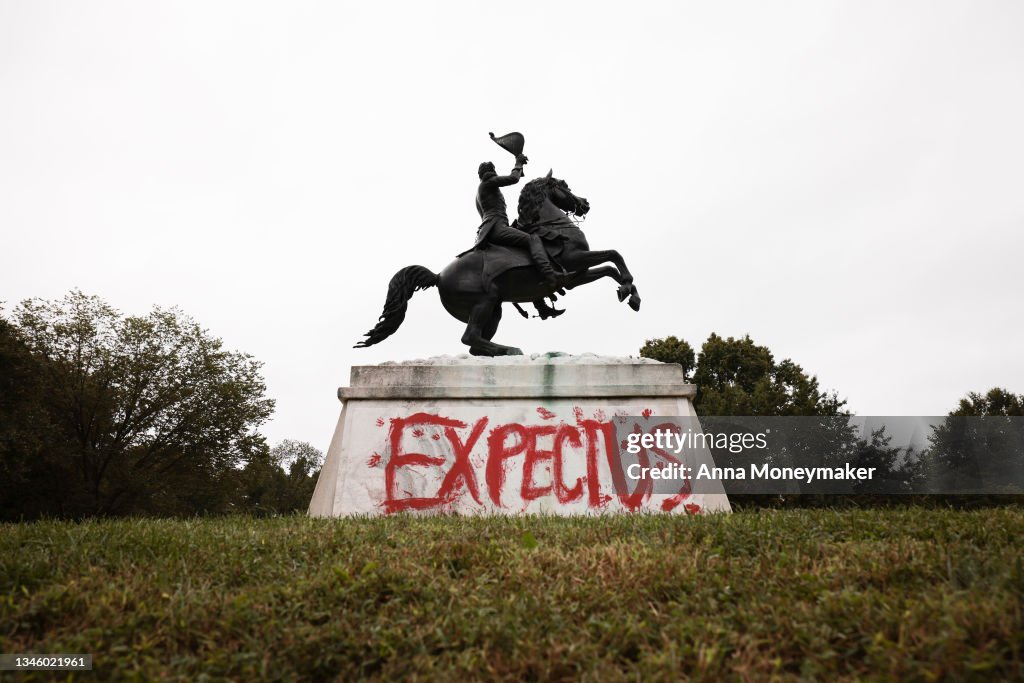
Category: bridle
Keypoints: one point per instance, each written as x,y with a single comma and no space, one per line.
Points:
573,216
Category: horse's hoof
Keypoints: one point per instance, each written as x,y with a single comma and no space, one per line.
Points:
513,351
624,291
634,302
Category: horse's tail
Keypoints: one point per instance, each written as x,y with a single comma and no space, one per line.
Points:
401,288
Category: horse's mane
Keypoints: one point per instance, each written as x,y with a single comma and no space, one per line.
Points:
531,199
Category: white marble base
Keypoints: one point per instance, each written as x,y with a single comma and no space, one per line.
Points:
521,434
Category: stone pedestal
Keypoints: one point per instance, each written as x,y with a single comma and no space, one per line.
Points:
522,434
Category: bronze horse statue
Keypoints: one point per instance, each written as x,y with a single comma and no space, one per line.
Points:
474,285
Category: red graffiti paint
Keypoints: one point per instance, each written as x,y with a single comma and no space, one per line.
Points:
545,413
536,456
540,453
605,432
665,460
596,432
498,452
570,436
524,441
647,412
460,473
380,421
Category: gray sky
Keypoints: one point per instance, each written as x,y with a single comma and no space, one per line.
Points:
842,181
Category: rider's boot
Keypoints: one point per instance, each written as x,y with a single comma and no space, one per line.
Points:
545,311
540,258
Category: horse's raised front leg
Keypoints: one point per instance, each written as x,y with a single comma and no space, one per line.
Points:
584,259
585,277
483,323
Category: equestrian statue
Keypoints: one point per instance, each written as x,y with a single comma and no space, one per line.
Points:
539,255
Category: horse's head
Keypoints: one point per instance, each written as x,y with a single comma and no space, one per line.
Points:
544,199
562,197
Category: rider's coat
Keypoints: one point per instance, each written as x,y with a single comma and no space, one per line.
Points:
490,203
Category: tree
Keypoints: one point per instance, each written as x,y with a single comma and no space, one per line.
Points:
977,448
995,402
670,350
145,409
738,377
298,457
282,480
24,429
898,470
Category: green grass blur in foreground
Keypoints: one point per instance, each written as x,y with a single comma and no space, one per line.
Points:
894,594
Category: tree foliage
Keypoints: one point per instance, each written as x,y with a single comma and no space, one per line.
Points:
24,429
143,413
670,350
739,377
978,447
281,480
995,402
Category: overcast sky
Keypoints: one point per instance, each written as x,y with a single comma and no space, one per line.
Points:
841,181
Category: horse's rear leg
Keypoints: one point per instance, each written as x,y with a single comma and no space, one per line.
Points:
483,323
492,327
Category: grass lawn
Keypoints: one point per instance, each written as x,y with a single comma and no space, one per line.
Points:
906,594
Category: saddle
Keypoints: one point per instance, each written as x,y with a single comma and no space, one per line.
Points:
497,259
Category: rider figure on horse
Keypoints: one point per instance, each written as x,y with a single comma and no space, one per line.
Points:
495,229
490,204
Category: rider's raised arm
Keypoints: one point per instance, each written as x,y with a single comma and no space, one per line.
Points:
510,179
